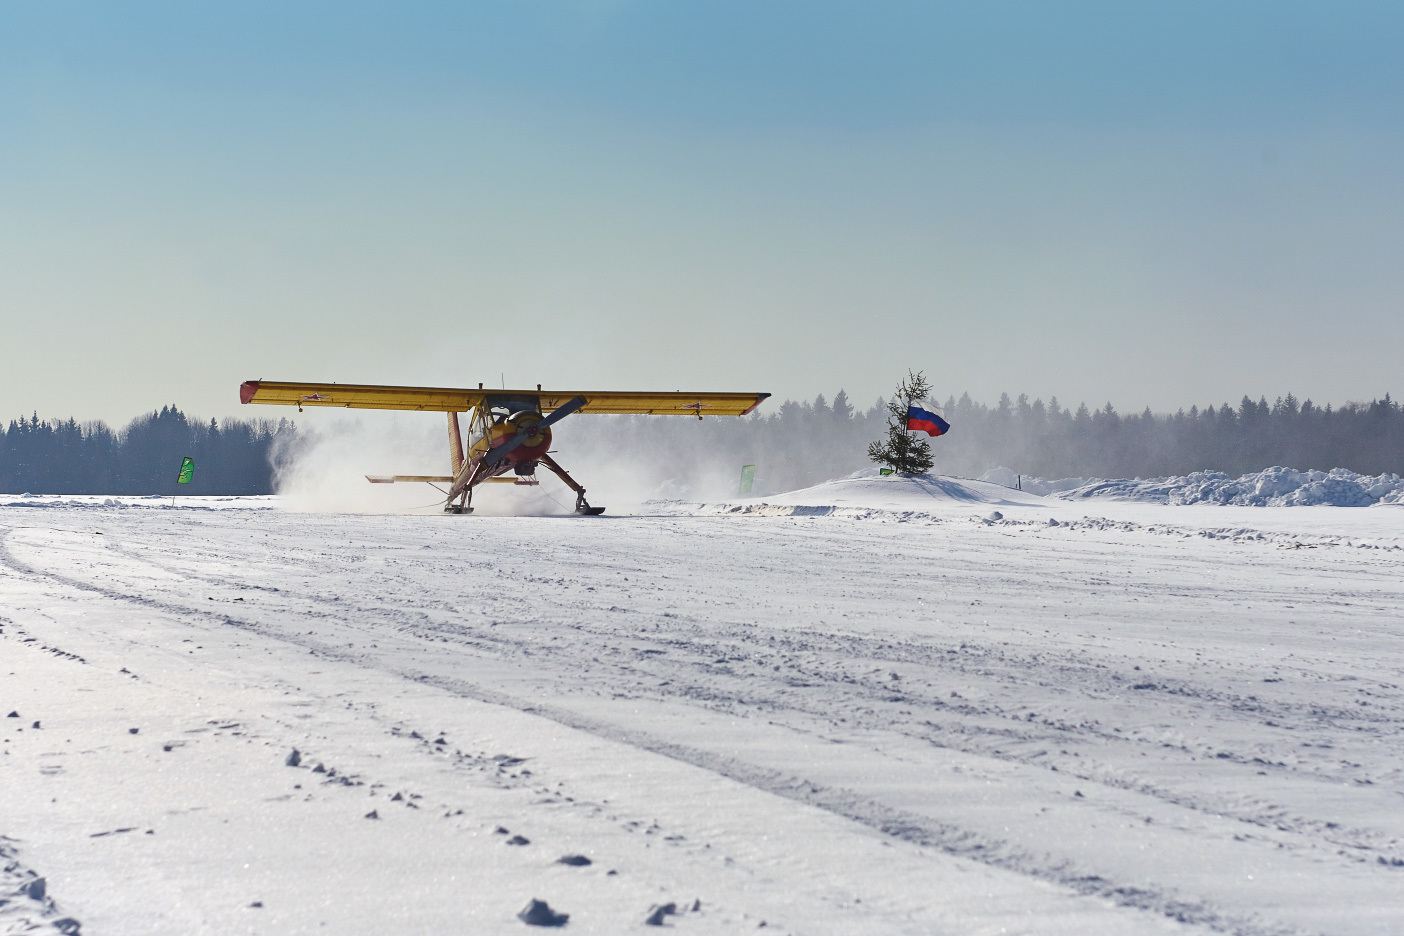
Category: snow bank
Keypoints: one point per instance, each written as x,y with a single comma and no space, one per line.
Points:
866,493
1274,487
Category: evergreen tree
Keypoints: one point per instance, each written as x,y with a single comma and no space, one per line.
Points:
842,408
902,451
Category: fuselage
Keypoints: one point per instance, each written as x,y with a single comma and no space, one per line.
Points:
536,443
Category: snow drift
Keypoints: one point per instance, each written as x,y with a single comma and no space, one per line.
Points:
1274,487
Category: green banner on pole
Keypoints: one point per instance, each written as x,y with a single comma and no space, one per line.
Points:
748,478
187,468
884,471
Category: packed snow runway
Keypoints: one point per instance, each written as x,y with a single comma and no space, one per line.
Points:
859,709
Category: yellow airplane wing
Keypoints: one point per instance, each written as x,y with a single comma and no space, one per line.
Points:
359,396
656,404
445,399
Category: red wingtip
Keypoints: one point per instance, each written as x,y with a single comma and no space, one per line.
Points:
247,390
760,398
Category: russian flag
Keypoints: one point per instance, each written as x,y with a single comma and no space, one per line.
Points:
925,421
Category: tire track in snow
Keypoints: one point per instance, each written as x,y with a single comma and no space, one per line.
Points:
920,830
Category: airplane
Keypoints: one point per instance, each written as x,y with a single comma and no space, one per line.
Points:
508,431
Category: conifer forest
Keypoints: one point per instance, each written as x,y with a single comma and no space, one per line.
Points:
794,444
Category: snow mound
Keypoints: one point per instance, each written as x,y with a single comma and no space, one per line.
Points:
1274,487
868,493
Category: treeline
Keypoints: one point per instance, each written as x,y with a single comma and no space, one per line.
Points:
1053,442
793,445
799,444
42,457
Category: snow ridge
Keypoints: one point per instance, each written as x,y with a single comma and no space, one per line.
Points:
1273,487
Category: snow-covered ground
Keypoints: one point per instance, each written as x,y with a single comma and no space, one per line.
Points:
876,706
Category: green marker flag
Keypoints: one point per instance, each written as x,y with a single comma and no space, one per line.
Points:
187,468
748,478
885,471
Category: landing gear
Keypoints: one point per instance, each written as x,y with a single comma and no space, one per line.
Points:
582,507
525,473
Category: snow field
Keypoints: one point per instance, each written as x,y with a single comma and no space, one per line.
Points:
930,720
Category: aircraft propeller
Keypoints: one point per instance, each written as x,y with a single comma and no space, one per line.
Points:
499,452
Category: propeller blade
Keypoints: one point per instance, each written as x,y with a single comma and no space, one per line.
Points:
562,411
499,452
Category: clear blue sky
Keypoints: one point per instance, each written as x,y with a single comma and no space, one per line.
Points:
1148,203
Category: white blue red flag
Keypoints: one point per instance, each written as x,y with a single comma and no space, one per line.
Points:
920,420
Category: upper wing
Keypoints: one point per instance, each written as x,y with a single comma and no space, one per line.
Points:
657,404
443,399
360,396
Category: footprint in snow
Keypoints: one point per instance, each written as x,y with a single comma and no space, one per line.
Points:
539,913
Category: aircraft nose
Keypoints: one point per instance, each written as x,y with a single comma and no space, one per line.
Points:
528,427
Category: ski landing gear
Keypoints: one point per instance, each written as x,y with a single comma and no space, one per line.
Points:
582,506
584,509
464,505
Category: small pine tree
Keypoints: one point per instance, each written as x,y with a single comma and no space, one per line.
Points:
902,451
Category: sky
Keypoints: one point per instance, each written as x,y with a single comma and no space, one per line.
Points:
1152,204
